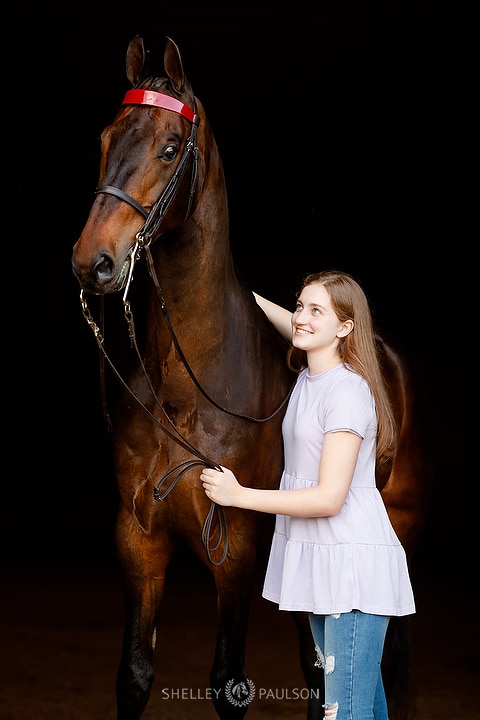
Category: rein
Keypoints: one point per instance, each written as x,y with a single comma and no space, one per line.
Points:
188,368
158,493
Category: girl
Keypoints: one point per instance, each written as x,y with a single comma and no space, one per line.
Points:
334,552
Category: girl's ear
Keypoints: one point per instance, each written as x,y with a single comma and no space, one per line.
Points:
346,328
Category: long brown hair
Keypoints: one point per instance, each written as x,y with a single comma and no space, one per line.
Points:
358,349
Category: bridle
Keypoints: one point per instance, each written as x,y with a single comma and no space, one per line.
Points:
144,237
154,218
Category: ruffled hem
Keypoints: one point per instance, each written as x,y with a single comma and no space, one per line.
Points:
329,579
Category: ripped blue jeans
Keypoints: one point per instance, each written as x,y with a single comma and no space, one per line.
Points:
349,649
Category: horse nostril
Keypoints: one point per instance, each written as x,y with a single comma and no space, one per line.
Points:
104,268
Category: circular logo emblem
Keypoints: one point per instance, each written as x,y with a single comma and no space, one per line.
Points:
241,693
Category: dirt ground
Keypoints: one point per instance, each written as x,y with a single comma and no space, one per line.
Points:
61,630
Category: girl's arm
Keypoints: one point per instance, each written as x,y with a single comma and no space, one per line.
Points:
280,318
337,465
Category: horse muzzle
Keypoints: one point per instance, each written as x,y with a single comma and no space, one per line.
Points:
102,276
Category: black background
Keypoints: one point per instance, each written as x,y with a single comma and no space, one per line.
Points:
349,136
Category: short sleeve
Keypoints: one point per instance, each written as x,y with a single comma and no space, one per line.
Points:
350,407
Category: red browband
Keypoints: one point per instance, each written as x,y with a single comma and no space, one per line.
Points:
149,97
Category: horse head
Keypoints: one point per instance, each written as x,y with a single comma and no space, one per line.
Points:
150,171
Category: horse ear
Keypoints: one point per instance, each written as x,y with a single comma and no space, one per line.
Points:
173,66
135,60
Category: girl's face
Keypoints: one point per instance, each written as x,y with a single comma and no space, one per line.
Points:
314,323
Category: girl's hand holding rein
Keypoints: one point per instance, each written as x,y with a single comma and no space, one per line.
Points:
221,487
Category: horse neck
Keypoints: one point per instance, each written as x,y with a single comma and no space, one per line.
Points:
195,270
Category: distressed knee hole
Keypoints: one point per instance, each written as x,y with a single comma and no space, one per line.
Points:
326,663
329,664
320,661
331,710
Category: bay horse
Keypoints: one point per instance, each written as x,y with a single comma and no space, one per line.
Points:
209,386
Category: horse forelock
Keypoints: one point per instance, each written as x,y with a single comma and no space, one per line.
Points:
164,85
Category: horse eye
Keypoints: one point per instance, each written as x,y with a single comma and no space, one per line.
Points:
169,152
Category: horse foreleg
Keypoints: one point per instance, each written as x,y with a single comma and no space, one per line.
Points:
135,672
232,690
312,673
143,584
